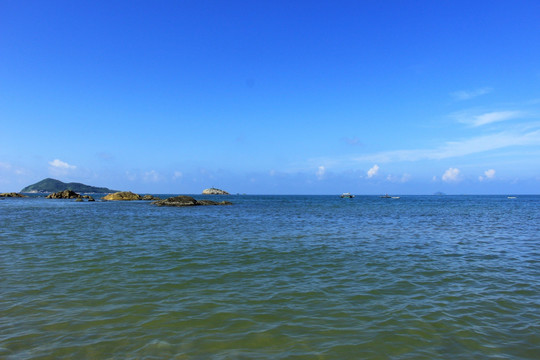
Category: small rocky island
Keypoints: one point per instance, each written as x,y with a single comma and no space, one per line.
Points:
69,194
12,194
122,196
128,196
184,200
214,191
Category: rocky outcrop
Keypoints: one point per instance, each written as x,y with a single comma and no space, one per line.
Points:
66,194
123,195
184,200
214,191
210,202
150,197
13,194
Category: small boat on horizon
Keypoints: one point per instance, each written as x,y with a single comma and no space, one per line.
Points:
386,196
346,195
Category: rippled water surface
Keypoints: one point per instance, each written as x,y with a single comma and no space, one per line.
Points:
270,277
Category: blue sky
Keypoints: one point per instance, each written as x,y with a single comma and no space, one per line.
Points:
272,97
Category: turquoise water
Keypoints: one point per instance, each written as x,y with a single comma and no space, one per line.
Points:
272,277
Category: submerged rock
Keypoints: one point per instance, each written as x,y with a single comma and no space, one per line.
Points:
184,200
13,194
214,191
66,194
210,202
150,197
122,195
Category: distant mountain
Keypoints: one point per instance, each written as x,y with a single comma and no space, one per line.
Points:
52,185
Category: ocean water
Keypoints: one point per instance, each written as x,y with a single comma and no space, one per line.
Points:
272,277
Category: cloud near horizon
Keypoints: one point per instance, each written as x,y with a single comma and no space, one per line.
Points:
152,176
59,164
177,175
320,172
453,149
397,179
451,175
58,167
488,174
373,171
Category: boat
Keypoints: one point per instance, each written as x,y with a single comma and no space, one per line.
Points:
386,196
346,195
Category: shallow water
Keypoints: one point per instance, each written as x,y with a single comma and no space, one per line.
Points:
270,277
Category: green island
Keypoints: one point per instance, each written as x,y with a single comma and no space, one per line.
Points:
49,185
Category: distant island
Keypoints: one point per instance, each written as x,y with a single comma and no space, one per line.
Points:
214,191
52,185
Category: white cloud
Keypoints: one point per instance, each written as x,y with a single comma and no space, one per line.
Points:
495,116
404,178
152,176
469,94
489,174
59,164
451,175
453,149
5,166
373,171
320,172
177,175
466,117
58,167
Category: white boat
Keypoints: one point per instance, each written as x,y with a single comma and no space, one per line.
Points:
347,195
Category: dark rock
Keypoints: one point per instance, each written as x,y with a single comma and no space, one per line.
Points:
66,194
150,197
184,200
181,200
13,194
79,199
210,202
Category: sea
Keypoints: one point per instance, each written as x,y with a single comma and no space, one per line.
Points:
271,277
